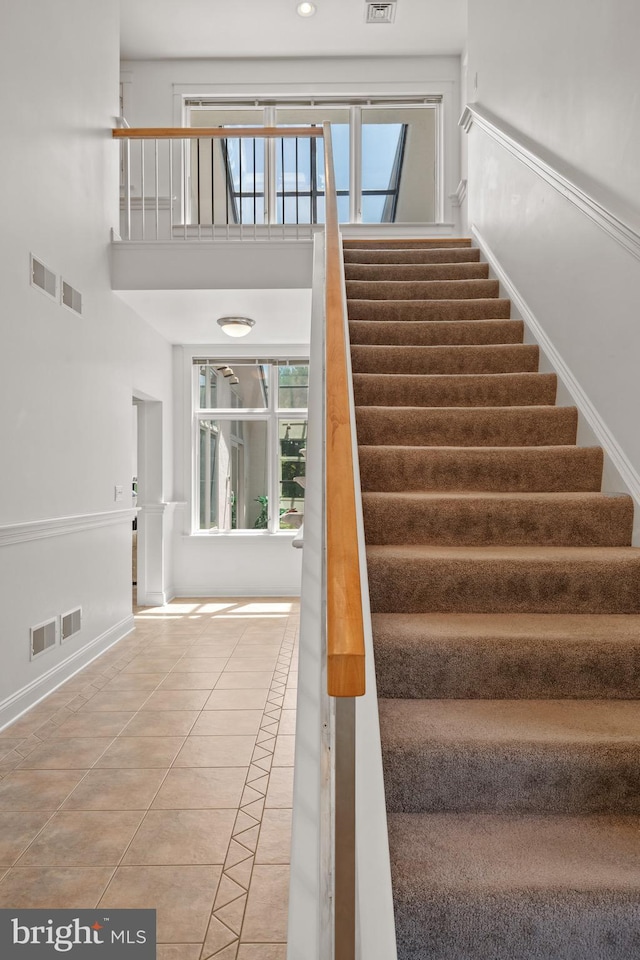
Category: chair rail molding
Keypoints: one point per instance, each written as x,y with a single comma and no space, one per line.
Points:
591,198
61,526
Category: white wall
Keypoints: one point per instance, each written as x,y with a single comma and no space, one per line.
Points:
66,382
566,76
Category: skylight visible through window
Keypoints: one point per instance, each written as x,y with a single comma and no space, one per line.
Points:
282,181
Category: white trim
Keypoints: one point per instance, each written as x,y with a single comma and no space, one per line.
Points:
558,174
155,509
257,590
18,703
156,598
620,462
60,526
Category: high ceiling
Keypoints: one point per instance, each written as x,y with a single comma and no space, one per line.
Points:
164,29
206,29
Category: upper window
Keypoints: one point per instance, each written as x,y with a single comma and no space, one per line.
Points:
251,430
253,181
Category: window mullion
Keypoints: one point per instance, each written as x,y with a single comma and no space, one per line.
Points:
270,200
355,164
272,442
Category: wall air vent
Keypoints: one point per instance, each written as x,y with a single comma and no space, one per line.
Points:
42,278
43,637
380,12
70,623
71,298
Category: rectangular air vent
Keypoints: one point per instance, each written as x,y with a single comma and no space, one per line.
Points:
42,278
71,623
380,12
43,637
71,298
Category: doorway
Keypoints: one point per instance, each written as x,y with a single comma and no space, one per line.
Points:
147,486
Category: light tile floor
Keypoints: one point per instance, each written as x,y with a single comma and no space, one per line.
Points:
162,776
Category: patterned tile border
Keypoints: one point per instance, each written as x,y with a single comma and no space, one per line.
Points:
225,927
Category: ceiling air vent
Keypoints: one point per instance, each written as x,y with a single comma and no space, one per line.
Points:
71,298
380,12
43,637
42,278
71,623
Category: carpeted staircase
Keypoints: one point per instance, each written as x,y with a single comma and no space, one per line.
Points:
506,616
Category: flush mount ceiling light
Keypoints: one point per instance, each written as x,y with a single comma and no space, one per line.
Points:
306,9
236,326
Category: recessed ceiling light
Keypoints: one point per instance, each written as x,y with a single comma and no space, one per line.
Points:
306,9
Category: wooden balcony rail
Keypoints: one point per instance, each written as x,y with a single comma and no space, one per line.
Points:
345,630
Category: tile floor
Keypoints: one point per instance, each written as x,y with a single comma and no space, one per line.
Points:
162,776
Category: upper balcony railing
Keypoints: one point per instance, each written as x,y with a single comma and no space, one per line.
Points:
220,183
255,183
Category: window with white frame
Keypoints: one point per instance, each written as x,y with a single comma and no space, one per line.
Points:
385,152
250,426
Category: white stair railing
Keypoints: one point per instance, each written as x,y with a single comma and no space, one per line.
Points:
341,905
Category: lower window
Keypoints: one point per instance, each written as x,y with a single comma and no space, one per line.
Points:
250,462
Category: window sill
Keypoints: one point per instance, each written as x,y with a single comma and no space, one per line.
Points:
241,534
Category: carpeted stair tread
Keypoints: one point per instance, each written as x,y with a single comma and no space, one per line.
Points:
509,519
411,310
397,468
408,243
528,756
497,579
422,289
506,887
466,426
507,656
416,271
412,255
436,333
455,390
483,358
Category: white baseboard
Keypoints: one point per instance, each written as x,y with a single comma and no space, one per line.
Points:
28,696
156,598
286,590
619,474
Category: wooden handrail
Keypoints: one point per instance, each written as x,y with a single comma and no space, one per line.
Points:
345,630
211,133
